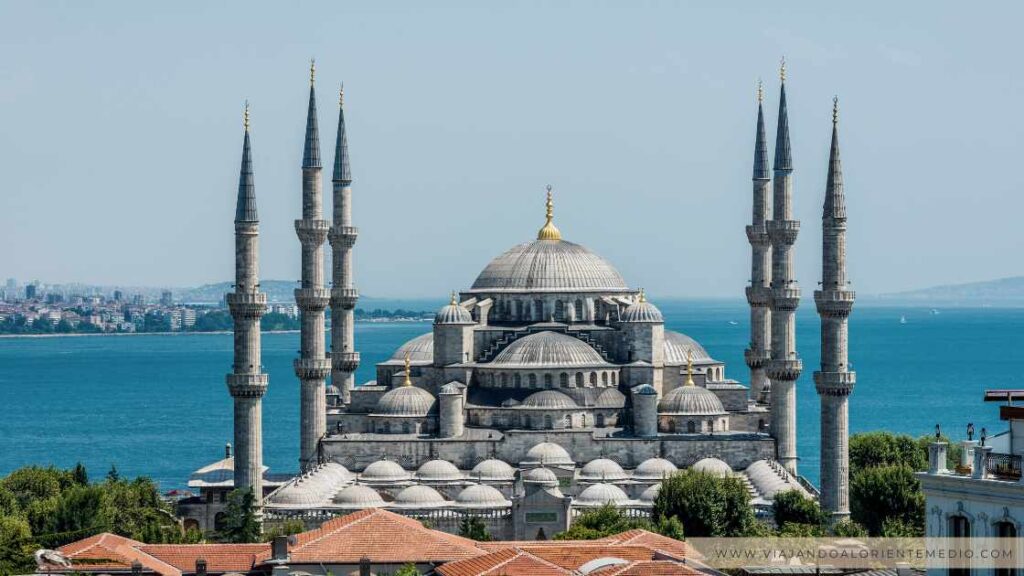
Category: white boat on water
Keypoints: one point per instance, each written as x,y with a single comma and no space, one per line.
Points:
903,319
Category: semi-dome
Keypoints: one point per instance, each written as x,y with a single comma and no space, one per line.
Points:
642,312
602,470
547,453
481,496
419,496
453,313
358,496
611,398
542,476
547,349
654,469
406,401
678,345
493,470
549,266
601,494
645,390
648,496
549,399
419,349
690,400
438,470
712,466
384,471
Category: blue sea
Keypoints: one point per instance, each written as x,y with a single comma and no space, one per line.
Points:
157,405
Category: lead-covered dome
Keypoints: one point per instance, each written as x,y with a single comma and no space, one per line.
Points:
549,266
712,466
690,400
601,494
419,496
481,496
548,453
542,476
642,311
453,313
548,349
384,471
677,345
602,470
405,401
654,469
419,349
550,400
493,470
438,470
358,496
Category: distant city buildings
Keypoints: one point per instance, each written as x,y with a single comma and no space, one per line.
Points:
166,298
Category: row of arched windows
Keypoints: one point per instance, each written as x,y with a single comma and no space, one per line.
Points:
546,380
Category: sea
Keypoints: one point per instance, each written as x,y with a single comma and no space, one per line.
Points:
157,405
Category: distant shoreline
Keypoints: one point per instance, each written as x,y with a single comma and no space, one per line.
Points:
178,333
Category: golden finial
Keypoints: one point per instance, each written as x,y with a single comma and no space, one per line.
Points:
312,71
408,380
689,368
835,109
549,231
455,299
245,116
760,91
341,96
782,69
643,297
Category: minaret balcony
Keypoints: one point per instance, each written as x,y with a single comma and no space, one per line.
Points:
312,231
783,231
756,358
835,383
834,303
247,385
344,298
345,361
757,235
246,304
344,236
758,295
786,370
312,368
785,298
312,299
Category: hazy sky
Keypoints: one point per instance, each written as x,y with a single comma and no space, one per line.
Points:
120,135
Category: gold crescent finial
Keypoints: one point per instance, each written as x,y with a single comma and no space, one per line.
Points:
835,109
782,69
549,231
760,91
245,116
689,368
643,297
341,96
312,71
455,299
408,380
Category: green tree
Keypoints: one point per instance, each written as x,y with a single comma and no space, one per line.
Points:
799,530
793,507
33,483
79,475
706,505
286,528
408,570
848,529
8,503
135,510
898,528
240,523
16,546
473,527
112,474
886,492
874,449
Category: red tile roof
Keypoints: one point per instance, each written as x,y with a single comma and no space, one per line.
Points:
648,568
107,551
219,557
507,562
676,549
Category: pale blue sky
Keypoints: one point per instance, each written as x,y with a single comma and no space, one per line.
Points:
120,133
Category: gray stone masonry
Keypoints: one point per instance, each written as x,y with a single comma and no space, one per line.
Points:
344,358
759,291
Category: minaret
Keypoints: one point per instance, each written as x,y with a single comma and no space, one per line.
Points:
785,366
835,380
312,367
344,358
247,383
759,291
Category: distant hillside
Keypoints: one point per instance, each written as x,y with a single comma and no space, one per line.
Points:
282,292
1002,292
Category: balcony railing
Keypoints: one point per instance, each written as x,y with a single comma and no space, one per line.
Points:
1007,466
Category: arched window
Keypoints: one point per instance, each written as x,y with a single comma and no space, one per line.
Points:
563,380
519,380
405,427
579,379
387,427
538,310
604,378
519,309
711,425
959,527
672,426
527,421
568,421
600,420
559,310
504,379
547,380
548,424
691,427
578,308
593,378
1005,529
533,380
613,379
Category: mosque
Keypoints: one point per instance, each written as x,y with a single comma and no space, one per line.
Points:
547,387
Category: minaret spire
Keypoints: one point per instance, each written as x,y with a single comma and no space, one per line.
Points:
549,231
835,381
247,383
759,291
785,366
344,358
312,367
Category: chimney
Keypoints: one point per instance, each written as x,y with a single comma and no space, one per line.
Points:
364,566
227,450
200,567
279,549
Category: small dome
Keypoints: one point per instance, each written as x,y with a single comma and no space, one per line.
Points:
690,400
419,349
603,470
648,496
601,494
453,313
543,476
419,497
645,390
406,401
549,399
384,471
451,388
769,478
358,496
642,311
547,453
548,349
610,398
549,266
712,466
332,390
654,469
438,470
678,345
494,470
481,496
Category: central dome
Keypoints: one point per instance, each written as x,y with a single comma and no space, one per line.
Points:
549,266
547,349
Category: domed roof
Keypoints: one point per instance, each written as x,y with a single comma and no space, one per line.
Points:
358,496
654,469
648,496
603,470
642,311
611,398
384,471
712,466
312,488
645,390
691,400
437,470
547,349
549,266
677,345
548,453
549,399
419,496
481,496
419,349
453,313
770,478
601,494
543,476
452,388
405,401
492,469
